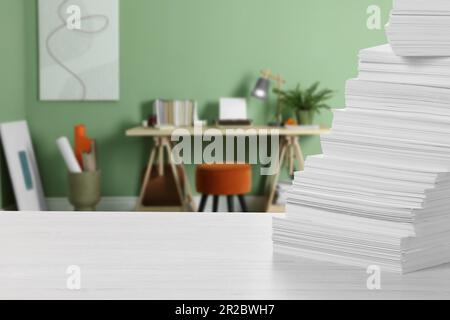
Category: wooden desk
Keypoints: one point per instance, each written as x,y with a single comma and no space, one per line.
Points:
178,256
290,155
297,132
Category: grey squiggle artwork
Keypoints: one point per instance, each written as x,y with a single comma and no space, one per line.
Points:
79,64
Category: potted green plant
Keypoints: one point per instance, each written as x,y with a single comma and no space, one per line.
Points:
305,102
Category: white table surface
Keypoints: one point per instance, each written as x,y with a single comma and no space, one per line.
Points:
177,256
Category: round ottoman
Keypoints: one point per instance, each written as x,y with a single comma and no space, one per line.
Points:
224,180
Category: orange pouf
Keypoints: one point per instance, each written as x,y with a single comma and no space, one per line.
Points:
224,180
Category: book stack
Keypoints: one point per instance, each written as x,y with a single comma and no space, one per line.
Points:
175,113
420,27
380,193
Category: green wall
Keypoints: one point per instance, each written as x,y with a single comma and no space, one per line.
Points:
12,78
201,49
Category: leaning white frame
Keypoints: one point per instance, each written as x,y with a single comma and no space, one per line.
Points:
22,166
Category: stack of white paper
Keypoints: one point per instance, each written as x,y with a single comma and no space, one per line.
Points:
380,193
420,27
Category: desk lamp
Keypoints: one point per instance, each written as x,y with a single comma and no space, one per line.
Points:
262,88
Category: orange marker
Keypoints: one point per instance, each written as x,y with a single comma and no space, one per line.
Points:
82,143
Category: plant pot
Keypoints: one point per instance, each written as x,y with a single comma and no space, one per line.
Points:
84,190
305,118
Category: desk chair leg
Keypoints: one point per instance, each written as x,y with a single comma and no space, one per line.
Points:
230,203
203,203
216,203
243,203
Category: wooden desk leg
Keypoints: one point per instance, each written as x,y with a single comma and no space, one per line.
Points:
147,176
299,155
188,190
166,145
291,156
161,158
275,178
189,198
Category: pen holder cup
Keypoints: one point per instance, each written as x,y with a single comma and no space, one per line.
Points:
84,190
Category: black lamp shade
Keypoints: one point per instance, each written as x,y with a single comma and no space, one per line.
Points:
261,90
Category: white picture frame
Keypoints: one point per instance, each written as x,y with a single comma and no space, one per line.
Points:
22,166
79,50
